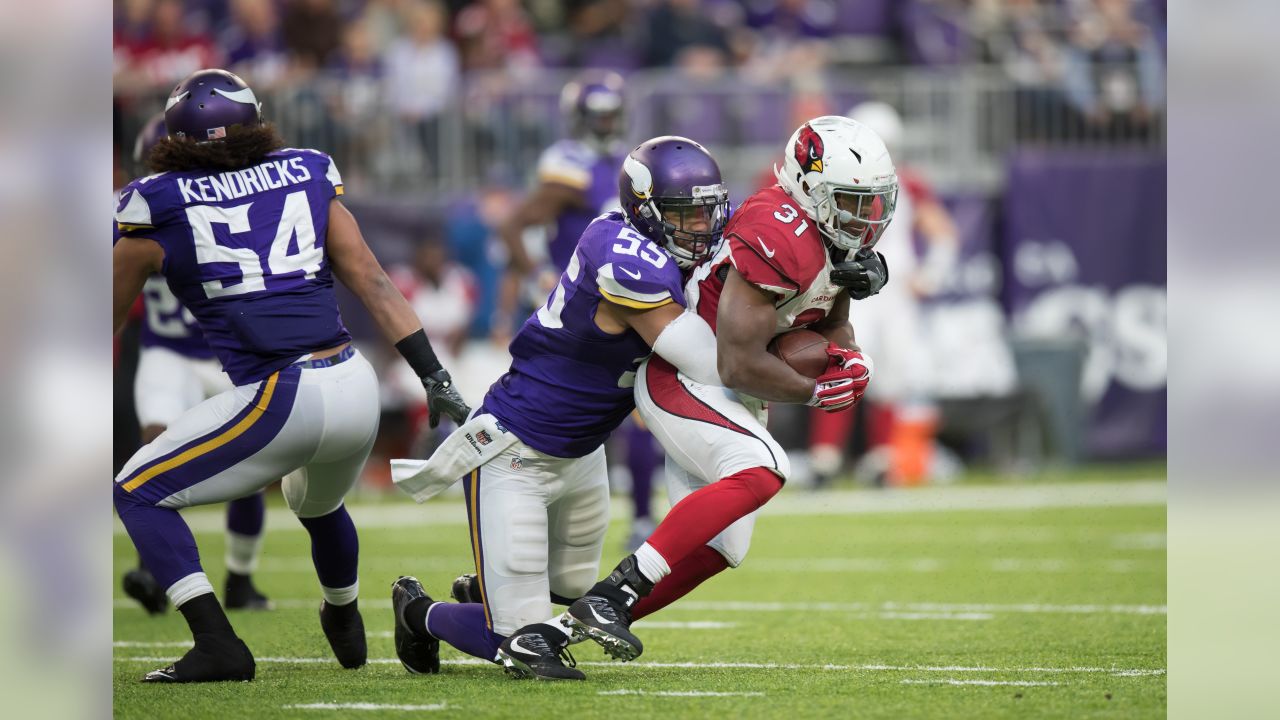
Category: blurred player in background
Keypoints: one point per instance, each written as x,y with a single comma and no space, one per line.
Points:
902,417
576,181
443,294
249,236
177,370
794,255
533,454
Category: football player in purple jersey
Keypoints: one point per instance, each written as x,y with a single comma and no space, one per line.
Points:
532,456
249,237
176,371
576,181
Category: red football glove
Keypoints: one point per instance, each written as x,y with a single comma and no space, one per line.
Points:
844,382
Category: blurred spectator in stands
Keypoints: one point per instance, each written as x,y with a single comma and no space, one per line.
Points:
1115,69
422,72
357,102
599,36
312,31
164,54
254,46
791,19
675,25
384,19
1022,37
496,35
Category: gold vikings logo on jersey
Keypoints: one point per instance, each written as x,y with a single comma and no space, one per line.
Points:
808,150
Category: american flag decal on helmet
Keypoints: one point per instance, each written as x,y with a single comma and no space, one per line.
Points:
808,150
217,133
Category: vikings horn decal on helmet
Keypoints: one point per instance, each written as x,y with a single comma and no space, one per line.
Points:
671,191
209,102
840,173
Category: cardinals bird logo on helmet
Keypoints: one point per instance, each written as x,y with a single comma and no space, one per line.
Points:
809,150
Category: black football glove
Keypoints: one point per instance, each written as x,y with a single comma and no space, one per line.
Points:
865,275
443,397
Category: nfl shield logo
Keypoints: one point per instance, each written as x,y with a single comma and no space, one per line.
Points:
483,438
516,463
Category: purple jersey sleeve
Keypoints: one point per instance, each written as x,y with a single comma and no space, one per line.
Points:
630,269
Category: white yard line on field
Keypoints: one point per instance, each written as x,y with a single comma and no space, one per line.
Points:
681,693
435,514
1118,672
365,706
751,606
952,681
855,610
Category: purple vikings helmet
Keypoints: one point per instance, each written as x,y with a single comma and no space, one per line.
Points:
671,191
593,106
207,103
148,137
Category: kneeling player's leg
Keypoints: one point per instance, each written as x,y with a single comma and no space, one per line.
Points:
579,519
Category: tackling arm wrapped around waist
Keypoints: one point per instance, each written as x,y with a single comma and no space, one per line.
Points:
474,443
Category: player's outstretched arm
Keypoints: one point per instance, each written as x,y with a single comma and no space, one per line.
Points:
133,260
354,264
745,323
679,336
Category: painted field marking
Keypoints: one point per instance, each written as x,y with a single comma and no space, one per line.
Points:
836,502
751,606
681,693
1118,672
136,644
365,706
887,610
687,625
642,624
952,681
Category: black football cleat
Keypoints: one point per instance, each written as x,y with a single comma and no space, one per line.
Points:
215,658
605,622
344,629
539,651
466,589
240,594
419,653
141,586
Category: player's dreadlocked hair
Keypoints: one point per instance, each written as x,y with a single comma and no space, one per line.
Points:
242,147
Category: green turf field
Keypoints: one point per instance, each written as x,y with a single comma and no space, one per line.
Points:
852,604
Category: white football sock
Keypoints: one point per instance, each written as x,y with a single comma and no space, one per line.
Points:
651,564
242,552
188,588
341,596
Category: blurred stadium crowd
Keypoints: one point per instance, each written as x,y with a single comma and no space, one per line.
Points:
1034,127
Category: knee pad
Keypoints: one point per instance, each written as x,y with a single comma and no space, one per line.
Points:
584,524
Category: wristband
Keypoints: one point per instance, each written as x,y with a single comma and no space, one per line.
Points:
416,349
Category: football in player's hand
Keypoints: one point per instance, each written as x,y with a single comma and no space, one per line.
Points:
804,350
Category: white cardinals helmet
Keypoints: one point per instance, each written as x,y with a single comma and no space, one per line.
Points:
841,175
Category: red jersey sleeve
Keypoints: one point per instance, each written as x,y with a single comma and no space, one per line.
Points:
769,243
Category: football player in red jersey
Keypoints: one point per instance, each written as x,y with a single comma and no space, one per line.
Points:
794,255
